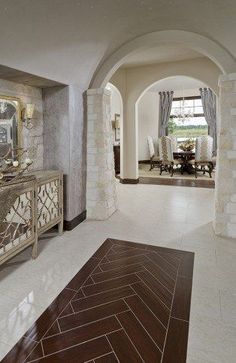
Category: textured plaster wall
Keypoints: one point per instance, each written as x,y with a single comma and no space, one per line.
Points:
32,139
65,144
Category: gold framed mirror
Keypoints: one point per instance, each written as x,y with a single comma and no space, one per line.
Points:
10,125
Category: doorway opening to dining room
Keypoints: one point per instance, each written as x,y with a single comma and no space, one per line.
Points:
135,66
184,110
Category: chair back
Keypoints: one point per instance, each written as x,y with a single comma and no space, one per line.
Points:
204,148
174,143
151,146
165,149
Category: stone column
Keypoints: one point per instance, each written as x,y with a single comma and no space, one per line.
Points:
101,184
225,208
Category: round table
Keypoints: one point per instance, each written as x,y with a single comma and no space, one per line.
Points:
185,156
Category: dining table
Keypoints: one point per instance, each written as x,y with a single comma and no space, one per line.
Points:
185,156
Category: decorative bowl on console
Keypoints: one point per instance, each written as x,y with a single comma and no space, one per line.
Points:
12,164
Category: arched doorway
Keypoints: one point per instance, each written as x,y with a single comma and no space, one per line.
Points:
209,48
225,63
185,90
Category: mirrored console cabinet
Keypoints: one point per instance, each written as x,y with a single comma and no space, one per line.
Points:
29,207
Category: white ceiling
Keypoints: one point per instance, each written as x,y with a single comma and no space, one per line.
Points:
177,83
160,54
68,40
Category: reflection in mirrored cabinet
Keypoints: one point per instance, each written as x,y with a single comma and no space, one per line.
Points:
10,127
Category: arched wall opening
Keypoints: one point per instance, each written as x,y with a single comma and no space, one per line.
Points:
101,184
147,113
205,46
132,83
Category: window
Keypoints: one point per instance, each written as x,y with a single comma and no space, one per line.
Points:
192,127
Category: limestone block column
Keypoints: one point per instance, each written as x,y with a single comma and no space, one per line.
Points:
225,208
101,196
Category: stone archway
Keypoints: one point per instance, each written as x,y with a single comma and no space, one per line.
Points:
102,181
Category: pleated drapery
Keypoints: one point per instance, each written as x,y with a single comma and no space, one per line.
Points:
209,108
165,104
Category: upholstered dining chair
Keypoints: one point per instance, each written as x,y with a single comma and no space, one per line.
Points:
166,155
203,155
154,159
174,143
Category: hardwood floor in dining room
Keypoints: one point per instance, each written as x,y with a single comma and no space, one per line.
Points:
129,303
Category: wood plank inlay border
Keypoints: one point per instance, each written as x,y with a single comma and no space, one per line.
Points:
129,303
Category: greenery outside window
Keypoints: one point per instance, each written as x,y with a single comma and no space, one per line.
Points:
191,127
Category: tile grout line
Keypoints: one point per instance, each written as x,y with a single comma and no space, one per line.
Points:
112,348
102,292
74,345
42,348
162,270
116,268
95,306
173,317
83,325
163,258
143,328
168,325
158,280
117,259
130,342
154,293
114,278
58,325
148,308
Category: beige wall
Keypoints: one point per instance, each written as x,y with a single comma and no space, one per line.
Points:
116,107
148,108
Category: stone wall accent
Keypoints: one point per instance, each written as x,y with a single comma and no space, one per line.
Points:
33,138
101,183
225,209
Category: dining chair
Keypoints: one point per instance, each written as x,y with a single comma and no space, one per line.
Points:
166,155
154,159
174,143
203,155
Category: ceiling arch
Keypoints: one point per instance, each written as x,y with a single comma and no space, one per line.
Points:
207,47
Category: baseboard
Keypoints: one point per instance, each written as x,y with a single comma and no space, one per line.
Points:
69,225
144,162
129,181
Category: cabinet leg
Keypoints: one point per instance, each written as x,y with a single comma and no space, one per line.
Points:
35,249
60,228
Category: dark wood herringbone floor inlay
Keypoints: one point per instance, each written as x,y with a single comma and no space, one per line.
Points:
129,303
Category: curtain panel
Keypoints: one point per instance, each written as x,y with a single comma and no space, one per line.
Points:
165,104
209,108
